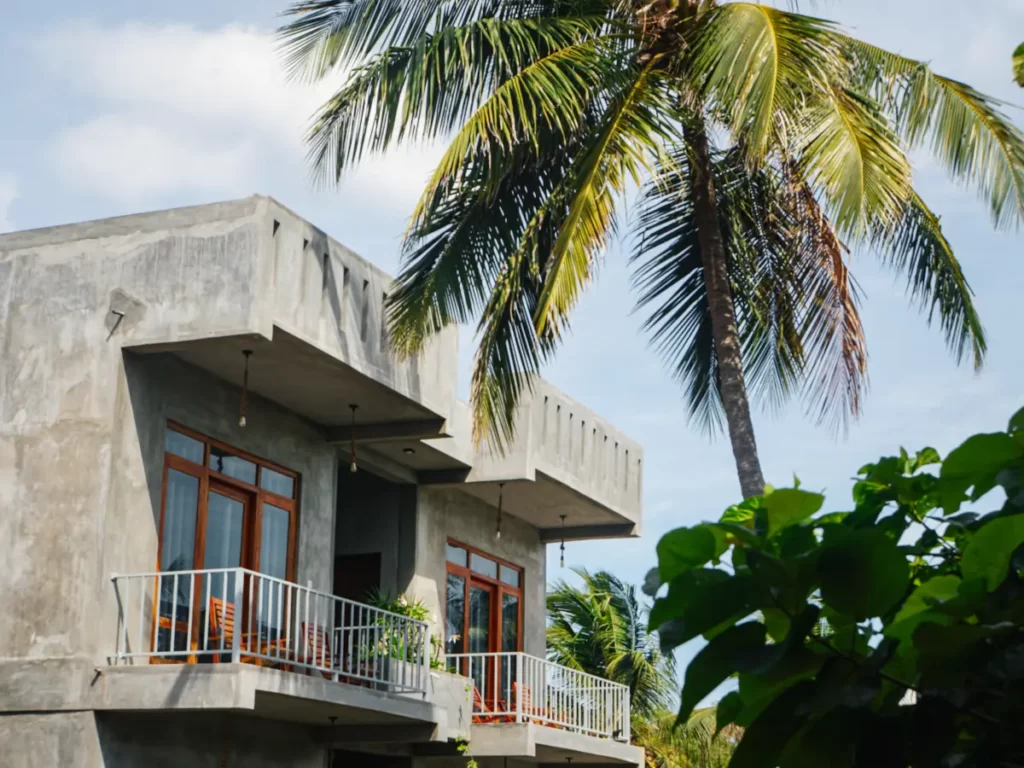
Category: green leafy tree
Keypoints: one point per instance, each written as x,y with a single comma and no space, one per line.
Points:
1018,65
764,142
889,635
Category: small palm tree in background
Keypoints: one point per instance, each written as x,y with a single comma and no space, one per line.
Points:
600,628
764,143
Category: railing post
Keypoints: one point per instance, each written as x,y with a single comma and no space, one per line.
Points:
519,688
428,657
236,647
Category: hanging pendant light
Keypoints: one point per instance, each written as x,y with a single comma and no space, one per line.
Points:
352,467
562,547
247,353
497,531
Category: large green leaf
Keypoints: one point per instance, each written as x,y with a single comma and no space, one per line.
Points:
683,549
989,551
766,738
717,661
707,609
787,506
975,464
862,573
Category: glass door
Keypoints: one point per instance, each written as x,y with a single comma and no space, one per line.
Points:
480,626
224,545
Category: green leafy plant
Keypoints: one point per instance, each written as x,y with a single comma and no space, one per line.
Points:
392,643
765,143
889,635
1018,65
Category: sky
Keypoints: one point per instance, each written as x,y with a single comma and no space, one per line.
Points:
120,106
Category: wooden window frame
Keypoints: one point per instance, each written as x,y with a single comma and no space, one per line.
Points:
204,473
501,588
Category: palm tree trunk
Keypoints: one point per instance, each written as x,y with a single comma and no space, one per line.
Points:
723,316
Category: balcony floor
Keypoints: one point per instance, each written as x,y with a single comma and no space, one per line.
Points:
265,692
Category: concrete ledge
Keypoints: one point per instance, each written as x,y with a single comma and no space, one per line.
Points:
549,745
267,692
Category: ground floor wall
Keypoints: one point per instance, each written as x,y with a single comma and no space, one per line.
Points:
165,740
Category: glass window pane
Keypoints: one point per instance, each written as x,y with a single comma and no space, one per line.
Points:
274,541
223,542
455,555
509,641
177,542
177,553
483,565
510,576
455,615
275,482
509,623
481,668
184,446
224,462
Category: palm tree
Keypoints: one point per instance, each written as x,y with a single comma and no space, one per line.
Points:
764,143
600,628
695,744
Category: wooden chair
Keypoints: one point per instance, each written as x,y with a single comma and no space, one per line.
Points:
221,621
482,713
532,712
316,649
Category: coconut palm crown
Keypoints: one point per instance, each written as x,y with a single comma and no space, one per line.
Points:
764,144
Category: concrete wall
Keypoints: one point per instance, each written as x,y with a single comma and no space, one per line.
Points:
101,513
449,513
165,740
375,515
561,438
327,295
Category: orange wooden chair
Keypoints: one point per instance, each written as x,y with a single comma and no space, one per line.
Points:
221,620
482,713
316,649
532,712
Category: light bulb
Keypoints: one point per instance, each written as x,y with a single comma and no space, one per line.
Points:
497,534
241,421
352,467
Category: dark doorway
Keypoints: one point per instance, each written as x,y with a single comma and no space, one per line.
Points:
356,576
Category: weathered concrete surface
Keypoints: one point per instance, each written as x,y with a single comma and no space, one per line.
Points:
49,740
448,513
565,460
550,745
204,740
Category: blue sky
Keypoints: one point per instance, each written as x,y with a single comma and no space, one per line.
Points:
129,105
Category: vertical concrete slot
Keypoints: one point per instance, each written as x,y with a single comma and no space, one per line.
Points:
364,316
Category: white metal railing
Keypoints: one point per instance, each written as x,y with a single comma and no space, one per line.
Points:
519,688
237,615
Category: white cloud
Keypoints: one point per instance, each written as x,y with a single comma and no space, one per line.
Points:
184,108
8,192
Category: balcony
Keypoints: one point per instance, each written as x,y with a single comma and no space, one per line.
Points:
238,616
233,639
524,706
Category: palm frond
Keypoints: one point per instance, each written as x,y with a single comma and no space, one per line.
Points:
631,132
965,129
852,157
918,248
761,65
795,302
430,88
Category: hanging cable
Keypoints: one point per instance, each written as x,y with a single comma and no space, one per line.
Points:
497,531
562,548
245,387
352,467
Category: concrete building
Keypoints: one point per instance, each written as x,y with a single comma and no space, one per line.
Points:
179,588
